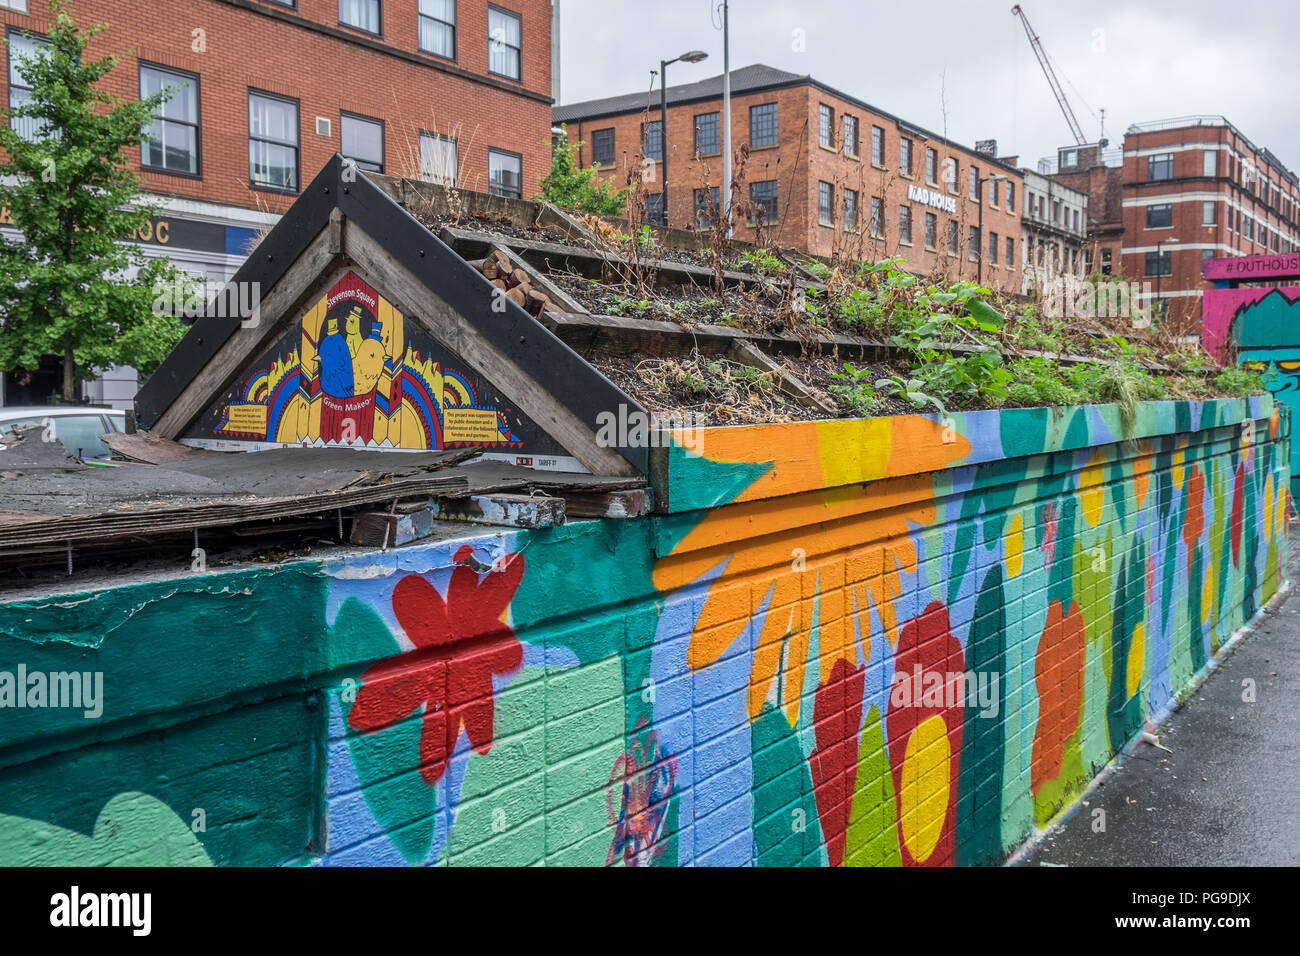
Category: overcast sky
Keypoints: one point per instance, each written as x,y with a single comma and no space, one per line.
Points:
1139,61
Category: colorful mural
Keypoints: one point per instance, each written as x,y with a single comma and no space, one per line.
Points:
355,371
885,642
1261,328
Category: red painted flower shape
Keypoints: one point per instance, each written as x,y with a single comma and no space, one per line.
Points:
461,643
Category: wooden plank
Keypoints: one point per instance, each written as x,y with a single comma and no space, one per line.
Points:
457,333
150,449
226,365
514,511
614,504
744,353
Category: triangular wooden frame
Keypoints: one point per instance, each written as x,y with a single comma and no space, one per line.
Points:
343,219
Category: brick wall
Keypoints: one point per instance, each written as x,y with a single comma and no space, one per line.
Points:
799,163
777,668
1273,203
305,53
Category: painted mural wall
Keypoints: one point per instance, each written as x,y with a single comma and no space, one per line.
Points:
884,642
1261,327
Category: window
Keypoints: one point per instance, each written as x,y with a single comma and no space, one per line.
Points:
931,230
850,210
602,147
993,248
505,37
1011,253
23,46
1248,228
993,191
1105,262
1056,211
826,126
272,141
505,174
905,156
905,225
1068,157
708,134
171,141
877,217
1159,263
439,159
931,166
1207,213
973,243
1011,197
950,174
1210,162
18,5
707,207
654,208
652,140
850,135
826,204
362,140
1160,166
1076,220
974,183
438,27
762,196
877,145
952,237
1160,216
362,14
762,125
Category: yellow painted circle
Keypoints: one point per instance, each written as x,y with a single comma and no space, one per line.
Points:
923,803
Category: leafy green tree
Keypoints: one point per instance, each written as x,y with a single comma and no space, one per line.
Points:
571,187
68,286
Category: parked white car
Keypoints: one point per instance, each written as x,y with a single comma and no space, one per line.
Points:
77,427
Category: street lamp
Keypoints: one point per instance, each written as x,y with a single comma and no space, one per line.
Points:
695,56
1160,269
979,249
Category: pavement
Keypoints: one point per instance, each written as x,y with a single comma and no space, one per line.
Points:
1229,793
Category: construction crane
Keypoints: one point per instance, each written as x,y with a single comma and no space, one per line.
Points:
1051,76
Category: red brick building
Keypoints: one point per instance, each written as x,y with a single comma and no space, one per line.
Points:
1086,169
826,172
268,90
1196,188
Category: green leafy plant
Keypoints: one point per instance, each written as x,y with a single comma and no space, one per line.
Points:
570,186
1239,381
857,392
69,285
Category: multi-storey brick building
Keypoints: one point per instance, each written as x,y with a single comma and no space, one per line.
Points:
267,90
826,173
1197,188
1092,170
1055,223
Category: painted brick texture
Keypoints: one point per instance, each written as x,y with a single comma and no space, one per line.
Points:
882,642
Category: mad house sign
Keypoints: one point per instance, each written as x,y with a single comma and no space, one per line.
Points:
372,333
352,371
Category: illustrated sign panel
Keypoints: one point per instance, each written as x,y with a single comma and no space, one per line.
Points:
353,371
